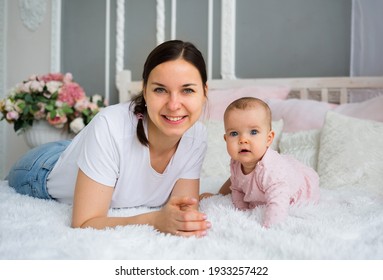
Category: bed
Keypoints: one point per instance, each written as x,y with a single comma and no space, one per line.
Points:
315,120
334,124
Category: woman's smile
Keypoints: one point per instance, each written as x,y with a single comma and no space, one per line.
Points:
174,119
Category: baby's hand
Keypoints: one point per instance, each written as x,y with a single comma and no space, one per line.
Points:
205,195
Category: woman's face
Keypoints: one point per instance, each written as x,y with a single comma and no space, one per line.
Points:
175,97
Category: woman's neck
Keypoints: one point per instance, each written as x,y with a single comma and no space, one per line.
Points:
161,147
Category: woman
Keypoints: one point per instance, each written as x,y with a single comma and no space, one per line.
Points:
145,153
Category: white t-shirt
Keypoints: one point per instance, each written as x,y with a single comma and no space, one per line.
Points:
108,151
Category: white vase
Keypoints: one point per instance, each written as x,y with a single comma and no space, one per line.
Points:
42,132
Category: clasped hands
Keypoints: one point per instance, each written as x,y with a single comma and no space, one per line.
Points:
180,217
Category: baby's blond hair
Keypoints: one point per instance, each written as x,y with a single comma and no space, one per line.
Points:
247,102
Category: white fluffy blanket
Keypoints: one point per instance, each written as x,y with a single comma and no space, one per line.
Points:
347,224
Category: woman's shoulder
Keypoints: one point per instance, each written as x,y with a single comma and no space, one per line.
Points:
116,115
116,110
198,130
116,119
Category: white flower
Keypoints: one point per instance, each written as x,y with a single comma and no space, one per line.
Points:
17,89
53,86
26,87
96,98
32,77
76,125
37,86
9,105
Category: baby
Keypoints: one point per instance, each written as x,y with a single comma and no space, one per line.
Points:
260,175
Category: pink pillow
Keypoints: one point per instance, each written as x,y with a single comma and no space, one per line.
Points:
220,99
371,109
310,114
299,114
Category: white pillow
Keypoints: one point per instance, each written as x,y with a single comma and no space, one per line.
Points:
302,145
351,153
217,160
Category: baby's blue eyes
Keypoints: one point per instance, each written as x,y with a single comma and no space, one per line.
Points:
253,132
235,133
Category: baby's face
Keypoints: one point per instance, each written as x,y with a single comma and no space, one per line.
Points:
247,135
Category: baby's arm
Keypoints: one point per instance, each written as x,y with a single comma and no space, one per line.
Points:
224,190
237,197
277,205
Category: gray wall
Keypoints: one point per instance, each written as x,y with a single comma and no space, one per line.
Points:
83,43
289,38
293,38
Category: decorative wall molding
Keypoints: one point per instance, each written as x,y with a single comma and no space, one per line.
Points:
3,77
160,28
107,49
120,35
173,20
32,13
228,39
210,29
56,36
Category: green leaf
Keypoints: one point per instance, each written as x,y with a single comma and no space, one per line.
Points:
28,98
49,107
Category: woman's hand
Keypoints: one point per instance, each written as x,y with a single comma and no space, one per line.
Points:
179,217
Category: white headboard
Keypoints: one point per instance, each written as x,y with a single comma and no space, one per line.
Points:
328,89
331,89
227,34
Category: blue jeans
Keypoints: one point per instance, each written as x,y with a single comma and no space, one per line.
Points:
29,175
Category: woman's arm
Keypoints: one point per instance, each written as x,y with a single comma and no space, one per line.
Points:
187,188
92,200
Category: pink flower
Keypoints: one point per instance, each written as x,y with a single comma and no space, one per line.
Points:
52,77
40,97
81,104
12,116
70,93
68,78
58,121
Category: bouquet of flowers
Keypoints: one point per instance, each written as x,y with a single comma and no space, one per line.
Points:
53,97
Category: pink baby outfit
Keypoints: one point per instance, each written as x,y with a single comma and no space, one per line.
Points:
277,181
